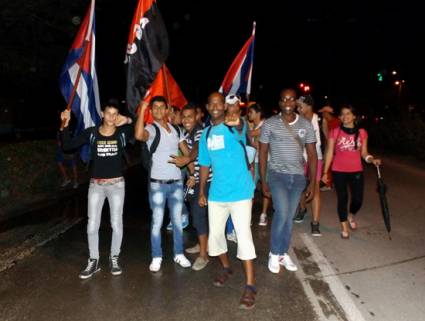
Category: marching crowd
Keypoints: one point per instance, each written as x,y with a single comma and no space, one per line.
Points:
223,160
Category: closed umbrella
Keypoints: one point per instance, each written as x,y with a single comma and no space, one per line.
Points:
382,191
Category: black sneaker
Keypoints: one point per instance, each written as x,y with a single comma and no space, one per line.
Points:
115,267
315,231
299,217
92,268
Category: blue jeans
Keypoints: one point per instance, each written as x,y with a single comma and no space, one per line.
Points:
159,194
286,192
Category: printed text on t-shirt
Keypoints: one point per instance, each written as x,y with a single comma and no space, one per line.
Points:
216,142
347,143
107,148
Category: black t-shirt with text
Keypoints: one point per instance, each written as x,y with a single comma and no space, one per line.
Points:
106,152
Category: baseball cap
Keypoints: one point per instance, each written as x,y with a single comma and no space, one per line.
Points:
308,100
232,99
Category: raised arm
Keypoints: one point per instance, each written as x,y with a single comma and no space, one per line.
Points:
140,133
69,143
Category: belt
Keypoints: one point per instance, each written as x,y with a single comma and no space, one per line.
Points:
106,181
164,181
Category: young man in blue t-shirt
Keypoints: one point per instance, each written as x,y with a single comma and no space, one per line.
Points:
221,148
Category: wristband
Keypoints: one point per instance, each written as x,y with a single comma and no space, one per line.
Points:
367,158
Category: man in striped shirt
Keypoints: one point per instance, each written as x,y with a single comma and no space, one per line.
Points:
199,214
285,136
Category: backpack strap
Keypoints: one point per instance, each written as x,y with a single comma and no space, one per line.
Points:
156,140
241,143
294,136
123,139
208,128
177,128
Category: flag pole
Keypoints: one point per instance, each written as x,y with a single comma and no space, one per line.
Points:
254,24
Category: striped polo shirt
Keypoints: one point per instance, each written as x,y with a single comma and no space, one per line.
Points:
286,155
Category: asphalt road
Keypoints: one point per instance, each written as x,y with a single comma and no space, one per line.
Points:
367,277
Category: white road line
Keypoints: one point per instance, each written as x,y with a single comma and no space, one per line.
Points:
313,298
339,291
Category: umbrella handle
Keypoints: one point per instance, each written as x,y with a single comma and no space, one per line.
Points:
378,171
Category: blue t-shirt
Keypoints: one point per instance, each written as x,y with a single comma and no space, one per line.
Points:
223,152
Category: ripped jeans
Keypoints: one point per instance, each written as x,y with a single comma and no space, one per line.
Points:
172,194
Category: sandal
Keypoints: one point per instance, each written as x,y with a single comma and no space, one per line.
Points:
352,224
247,301
222,278
345,235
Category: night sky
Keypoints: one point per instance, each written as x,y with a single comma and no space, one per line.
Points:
335,47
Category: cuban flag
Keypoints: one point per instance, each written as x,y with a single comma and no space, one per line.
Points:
78,79
238,77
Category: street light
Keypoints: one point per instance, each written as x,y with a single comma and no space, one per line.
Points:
399,84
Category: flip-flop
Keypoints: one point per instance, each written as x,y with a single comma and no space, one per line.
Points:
345,236
352,224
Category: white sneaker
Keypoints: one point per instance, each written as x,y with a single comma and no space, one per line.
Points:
286,261
155,265
263,219
274,263
181,260
232,237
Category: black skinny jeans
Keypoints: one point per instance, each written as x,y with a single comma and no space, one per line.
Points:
353,180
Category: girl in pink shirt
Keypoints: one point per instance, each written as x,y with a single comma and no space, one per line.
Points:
347,145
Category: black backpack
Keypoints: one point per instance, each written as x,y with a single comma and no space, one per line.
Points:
147,153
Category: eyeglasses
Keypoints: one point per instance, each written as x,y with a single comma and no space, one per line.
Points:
287,98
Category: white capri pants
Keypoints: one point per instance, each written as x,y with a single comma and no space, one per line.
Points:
218,213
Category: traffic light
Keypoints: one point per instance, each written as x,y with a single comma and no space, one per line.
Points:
379,76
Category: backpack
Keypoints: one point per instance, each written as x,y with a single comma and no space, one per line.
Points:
146,152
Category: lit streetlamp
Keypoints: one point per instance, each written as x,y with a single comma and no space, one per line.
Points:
399,84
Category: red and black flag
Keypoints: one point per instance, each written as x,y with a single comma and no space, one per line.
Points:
147,50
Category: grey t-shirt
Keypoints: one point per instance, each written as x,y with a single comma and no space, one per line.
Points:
168,145
286,155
